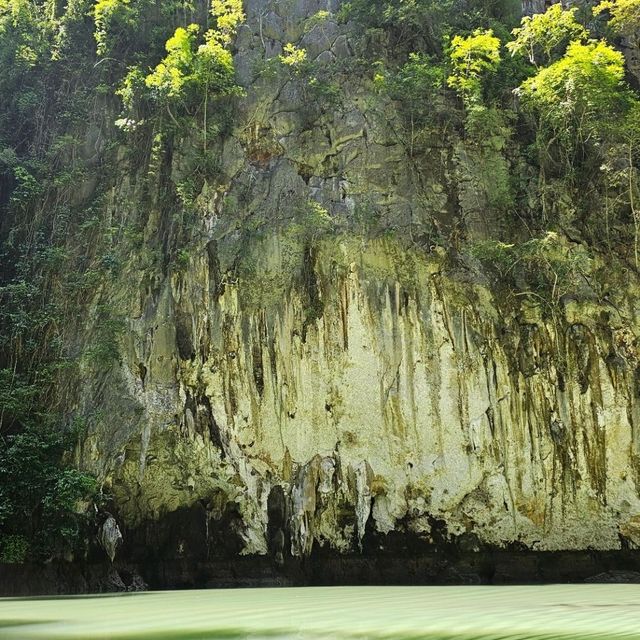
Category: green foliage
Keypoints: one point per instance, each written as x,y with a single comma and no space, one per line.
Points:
472,58
625,15
40,497
488,126
24,32
132,92
26,41
190,69
104,350
316,20
493,13
131,31
293,56
26,187
49,88
498,87
622,177
13,549
196,67
416,85
417,88
575,96
422,25
544,37
408,16
549,265
176,73
309,221
183,258
112,19
18,397
411,25
324,91
229,15
586,82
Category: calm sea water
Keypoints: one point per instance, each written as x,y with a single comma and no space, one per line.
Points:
562,612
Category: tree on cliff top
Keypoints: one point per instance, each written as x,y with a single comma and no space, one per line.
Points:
575,95
625,15
472,58
544,37
191,67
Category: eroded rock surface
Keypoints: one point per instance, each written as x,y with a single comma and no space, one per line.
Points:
300,389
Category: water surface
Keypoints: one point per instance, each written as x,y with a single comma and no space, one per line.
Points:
438,613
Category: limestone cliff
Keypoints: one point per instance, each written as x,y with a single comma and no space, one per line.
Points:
304,381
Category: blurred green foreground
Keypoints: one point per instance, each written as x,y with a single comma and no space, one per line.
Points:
577,612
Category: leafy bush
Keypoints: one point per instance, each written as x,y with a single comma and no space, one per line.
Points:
548,265
472,58
416,85
620,169
103,351
189,69
14,549
574,96
544,37
228,15
293,56
422,25
40,497
196,67
112,18
625,15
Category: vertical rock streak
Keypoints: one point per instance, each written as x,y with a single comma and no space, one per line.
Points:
433,407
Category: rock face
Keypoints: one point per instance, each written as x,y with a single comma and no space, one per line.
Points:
110,537
529,7
300,384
